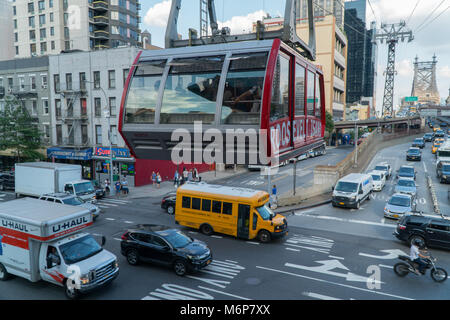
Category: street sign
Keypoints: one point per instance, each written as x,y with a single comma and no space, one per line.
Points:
411,99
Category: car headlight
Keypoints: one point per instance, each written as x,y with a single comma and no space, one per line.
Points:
353,198
386,210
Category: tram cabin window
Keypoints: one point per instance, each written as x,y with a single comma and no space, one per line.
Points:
143,93
279,107
191,89
318,108
310,94
243,89
299,90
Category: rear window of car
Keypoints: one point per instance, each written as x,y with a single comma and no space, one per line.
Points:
415,221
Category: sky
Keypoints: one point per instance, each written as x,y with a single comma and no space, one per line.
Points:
428,19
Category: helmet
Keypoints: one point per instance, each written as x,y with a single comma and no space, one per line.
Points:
417,243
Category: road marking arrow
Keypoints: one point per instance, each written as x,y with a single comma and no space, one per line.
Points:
328,265
391,254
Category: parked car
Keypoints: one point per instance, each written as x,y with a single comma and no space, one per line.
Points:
99,190
165,246
406,172
428,137
406,185
419,143
432,231
413,154
443,171
386,167
378,180
70,199
7,181
398,205
168,203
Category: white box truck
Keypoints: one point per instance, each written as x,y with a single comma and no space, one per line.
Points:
41,240
37,178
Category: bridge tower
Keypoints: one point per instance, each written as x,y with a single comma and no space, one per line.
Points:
392,33
425,85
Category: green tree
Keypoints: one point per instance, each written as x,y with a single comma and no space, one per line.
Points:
329,123
18,132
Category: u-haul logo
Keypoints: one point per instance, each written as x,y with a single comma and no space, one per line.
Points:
15,225
69,224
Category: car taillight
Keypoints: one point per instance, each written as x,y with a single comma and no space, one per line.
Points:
401,227
125,236
163,200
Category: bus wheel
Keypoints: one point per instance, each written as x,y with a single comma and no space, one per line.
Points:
264,236
206,229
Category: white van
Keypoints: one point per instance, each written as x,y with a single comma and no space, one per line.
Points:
379,179
351,190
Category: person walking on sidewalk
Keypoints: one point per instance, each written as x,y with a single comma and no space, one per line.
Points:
176,179
153,177
107,186
190,177
117,185
185,175
274,202
124,185
158,180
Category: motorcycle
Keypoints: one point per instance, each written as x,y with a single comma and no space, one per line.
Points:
403,268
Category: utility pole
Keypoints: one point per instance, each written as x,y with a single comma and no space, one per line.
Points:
392,34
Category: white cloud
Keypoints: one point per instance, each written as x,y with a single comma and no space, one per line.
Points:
158,15
444,72
405,68
242,24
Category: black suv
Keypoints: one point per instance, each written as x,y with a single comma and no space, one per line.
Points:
168,203
413,154
428,230
165,246
7,181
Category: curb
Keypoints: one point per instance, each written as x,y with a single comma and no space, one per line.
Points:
317,204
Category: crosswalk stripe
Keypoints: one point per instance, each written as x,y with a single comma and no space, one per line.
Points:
114,201
108,204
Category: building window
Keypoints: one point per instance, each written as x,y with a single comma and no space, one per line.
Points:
299,90
98,135
46,131
41,5
69,81
71,132
14,10
58,108
32,35
84,134
31,7
98,107
16,37
280,90
52,18
50,3
15,24
44,81
310,94
52,31
34,107
43,33
31,23
56,83
52,44
125,75
33,82
83,106
45,109
22,83
17,50
112,106
41,19
82,81
58,134
43,47
111,79
96,79
113,135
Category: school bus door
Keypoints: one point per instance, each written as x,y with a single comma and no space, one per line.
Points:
243,225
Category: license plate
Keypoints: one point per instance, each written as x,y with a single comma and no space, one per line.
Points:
208,262
341,203
395,215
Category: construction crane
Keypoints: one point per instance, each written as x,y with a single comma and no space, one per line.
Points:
392,34
208,16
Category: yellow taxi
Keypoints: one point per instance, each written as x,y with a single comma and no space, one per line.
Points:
436,129
436,144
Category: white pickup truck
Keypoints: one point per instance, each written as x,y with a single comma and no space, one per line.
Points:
41,240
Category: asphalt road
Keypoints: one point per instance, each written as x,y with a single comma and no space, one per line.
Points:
329,254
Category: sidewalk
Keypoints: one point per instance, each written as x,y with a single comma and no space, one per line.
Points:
167,187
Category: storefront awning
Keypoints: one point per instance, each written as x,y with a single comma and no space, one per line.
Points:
131,160
69,154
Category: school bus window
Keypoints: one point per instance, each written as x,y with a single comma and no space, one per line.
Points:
196,203
186,203
217,206
206,205
255,221
265,212
227,208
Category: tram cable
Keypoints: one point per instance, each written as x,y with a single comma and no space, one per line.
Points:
426,25
424,21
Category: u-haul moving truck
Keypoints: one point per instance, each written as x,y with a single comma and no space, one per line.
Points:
41,240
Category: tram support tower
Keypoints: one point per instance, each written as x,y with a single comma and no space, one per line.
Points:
392,34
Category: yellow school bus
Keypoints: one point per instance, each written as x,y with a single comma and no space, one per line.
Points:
239,212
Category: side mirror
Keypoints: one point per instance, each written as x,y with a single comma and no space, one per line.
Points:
360,192
332,188
103,240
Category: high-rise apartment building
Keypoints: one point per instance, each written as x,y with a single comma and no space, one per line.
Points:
6,31
323,8
362,54
50,26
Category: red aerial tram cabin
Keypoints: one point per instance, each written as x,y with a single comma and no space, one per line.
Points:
252,86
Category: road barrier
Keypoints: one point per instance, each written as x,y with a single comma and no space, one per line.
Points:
436,208
325,177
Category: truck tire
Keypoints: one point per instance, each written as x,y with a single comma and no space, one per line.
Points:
70,291
4,275
206,229
264,236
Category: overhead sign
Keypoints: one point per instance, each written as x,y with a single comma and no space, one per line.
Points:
116,152
411,99
72,154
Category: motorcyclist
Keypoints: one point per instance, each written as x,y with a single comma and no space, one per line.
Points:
417,256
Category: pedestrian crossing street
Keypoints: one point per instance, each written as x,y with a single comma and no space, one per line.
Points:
107,203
